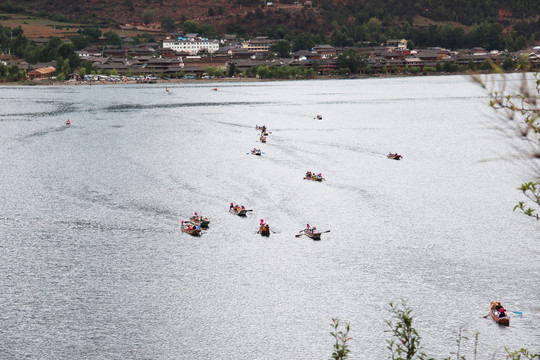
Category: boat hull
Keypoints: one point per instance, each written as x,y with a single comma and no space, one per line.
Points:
192,232
242,212
313,178
264,232
314,236
501,321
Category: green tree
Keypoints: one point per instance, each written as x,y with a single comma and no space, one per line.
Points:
113,38
168,23
508,63
233,70
353,60
93,33
282,48
82,72
263,71
147,16
190,26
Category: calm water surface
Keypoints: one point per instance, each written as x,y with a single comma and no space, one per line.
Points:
93,264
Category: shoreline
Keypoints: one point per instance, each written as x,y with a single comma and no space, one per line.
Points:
49,82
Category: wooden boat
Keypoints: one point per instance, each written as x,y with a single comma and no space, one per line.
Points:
191,229
502,320
313,176
200,221
68,122
260,127
313,235
262,139
264,230
318,117
395,156
239,211
256,152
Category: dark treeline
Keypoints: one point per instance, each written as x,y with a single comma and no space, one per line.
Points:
371,22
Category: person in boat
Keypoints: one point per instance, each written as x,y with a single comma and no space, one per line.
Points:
308,229
320,176
308,174
232,206
499,310
242,207
68,122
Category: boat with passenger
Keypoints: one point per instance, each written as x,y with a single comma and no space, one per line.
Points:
238,210
256,152
394,156
313,176
191,229
498,314
264,228
199,220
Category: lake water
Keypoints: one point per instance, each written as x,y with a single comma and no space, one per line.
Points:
93,264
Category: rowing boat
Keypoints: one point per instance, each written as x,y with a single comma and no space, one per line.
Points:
199,220
264,230
312,235
263,139
239,211
256,152
314,177
495,315
395,156
191,229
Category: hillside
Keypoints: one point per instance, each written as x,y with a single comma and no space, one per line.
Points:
251,14
494,24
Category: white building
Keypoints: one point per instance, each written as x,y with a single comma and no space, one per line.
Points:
191,45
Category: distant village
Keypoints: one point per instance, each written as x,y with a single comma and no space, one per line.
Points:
190,56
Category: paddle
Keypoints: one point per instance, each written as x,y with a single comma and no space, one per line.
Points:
517,312
298,235
485,316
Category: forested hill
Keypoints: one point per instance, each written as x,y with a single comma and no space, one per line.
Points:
451,23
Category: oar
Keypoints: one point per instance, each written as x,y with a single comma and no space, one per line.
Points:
322,232
485,316
298,235
517,312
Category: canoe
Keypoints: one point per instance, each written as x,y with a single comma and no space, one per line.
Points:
193,231
241,212
264,230
502,320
